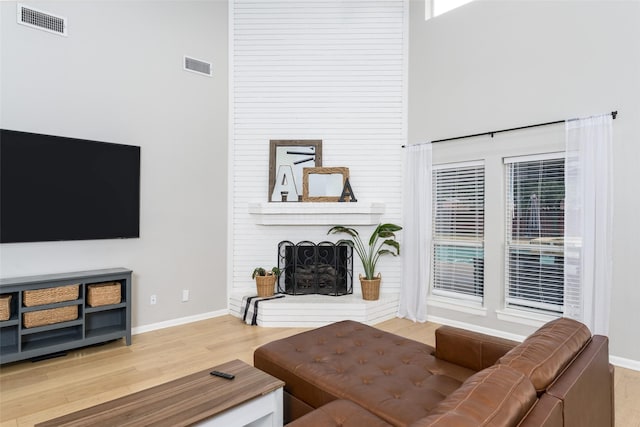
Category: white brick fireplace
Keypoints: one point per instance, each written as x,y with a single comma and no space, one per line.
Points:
335,72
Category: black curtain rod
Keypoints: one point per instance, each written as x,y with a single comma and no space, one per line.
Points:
613,114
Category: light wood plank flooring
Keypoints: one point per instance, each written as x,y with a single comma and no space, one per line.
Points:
34,392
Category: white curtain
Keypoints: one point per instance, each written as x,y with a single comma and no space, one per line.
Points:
588,221
416,246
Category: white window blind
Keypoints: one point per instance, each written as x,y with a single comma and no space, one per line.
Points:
534,259
458,231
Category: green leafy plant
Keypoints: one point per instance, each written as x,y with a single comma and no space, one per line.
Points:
382,242
259,271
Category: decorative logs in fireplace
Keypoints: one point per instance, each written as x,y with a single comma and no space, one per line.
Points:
309,268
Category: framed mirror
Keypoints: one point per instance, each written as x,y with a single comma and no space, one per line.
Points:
287,159
323,184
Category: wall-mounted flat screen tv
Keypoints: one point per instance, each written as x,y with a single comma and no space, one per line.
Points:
56,188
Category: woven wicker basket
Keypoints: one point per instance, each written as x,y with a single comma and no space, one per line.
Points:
49,317
5,307
104,294
265,285
370,288
50,295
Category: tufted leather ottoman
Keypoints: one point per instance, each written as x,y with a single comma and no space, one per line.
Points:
395,378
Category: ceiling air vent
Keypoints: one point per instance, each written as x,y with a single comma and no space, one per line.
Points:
198,66
35,18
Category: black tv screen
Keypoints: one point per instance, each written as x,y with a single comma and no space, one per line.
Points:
56,188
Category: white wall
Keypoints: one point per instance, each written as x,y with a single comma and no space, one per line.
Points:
328,70
118,77
499,64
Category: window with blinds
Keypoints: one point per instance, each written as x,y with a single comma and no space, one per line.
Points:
534,250
458,231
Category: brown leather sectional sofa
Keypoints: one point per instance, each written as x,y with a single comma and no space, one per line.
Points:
350,374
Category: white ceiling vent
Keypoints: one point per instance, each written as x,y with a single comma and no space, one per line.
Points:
41,20
198,66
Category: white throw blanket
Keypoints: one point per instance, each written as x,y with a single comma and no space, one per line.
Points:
250,307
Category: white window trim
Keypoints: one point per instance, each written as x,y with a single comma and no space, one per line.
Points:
455,296
452,165
457,304
535,157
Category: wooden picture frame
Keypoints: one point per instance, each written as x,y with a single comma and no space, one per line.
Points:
323,184
297,153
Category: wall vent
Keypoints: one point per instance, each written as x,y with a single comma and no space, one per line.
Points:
198,66
41,20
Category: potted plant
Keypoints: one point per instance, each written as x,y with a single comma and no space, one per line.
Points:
382,242
265,280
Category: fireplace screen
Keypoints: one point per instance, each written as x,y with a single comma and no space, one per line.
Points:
309,268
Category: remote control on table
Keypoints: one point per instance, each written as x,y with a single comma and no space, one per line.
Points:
222,375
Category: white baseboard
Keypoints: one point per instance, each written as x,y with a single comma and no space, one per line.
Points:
177,322
625,363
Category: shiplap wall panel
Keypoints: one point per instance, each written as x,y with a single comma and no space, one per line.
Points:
329,70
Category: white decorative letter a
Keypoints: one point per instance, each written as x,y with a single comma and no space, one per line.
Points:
284,185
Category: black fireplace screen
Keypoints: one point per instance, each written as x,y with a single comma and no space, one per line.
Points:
309,268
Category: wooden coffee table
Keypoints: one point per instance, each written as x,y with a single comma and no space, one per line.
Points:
253,397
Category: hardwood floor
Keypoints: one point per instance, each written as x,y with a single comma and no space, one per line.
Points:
34,392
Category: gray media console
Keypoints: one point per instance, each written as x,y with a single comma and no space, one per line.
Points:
93,325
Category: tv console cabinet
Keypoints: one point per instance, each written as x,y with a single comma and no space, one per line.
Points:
94,325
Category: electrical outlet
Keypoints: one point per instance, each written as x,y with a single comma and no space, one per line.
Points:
153,299
185,295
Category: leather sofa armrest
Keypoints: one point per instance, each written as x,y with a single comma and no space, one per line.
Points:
547,412
586,387
469,349
612,376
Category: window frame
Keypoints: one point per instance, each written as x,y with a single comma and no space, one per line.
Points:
464,243
548,248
